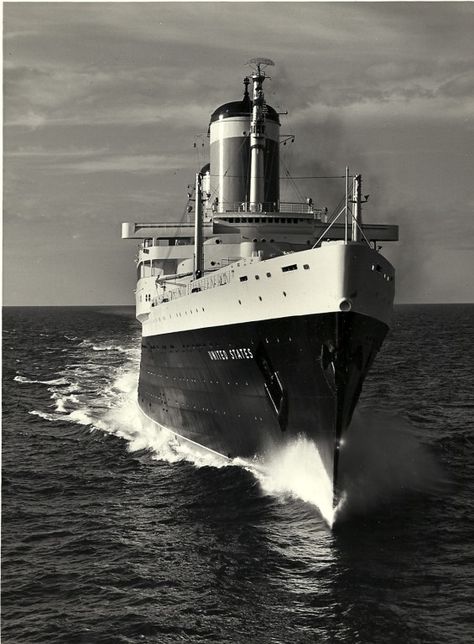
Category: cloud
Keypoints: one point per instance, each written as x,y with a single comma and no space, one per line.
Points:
143,164
461,86
102,101
30,153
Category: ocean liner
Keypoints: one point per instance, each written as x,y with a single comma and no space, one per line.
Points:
260,318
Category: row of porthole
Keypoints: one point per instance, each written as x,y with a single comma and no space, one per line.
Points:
204,346
235,384
244,278
205,409
209,345
210,382
162,319
176,315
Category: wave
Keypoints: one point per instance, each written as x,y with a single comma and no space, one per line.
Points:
62,402
292,471
110,347
379,458
95,346
45,416
54,381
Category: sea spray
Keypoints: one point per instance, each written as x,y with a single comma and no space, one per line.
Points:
381,460
296,470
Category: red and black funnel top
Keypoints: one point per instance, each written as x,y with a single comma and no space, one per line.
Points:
242,108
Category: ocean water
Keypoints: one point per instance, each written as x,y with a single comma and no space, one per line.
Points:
112,532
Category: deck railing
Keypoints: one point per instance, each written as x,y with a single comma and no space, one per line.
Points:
214,279
269,207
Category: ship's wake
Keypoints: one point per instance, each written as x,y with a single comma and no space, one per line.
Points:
291,471
379,459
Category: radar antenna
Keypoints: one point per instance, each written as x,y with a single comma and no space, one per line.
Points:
258,64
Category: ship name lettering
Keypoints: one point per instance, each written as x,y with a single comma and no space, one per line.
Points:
243,353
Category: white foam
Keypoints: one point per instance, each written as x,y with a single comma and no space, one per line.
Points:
54,381
42,414
292,471
110,347
60,405
81,417
295,470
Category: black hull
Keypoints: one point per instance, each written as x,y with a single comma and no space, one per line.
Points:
242,389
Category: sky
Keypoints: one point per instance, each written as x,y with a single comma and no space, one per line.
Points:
104,101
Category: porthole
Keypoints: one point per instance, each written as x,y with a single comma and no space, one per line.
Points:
284,293
306,267
260,298
257,277
269,274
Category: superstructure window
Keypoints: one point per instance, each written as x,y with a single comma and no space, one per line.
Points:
243,278
291,267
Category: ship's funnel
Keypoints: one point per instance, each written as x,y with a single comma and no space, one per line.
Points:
230,155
